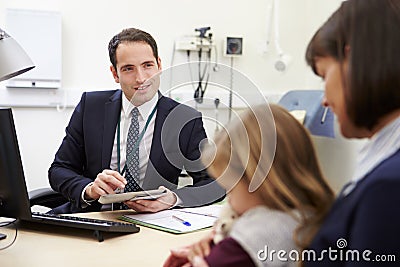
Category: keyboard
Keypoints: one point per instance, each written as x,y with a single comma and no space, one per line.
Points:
85,223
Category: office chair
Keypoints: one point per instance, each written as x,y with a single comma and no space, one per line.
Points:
318,119
46,197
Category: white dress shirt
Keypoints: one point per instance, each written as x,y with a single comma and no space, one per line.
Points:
145,111
379,147
145,144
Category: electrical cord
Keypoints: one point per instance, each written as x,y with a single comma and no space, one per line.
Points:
5,224
216,103
171,68
200,90
190,69
198,93
276,24
216,67
230,90
214,48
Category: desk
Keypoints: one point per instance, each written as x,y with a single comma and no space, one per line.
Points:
46,245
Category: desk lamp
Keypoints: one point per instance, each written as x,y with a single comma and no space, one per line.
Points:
13,59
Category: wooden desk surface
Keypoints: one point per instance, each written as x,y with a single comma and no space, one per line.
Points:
46,245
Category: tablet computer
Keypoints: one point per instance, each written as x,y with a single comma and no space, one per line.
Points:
121,197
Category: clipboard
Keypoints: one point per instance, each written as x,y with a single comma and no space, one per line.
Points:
173,221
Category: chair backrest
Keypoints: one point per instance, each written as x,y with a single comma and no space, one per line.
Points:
46,197
318,120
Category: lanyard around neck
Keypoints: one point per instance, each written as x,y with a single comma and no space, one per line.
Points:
137,142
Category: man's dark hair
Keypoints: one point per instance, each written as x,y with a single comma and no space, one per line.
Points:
130,35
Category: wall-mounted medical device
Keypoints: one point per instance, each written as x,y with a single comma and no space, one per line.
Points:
282,62
233,46
195,42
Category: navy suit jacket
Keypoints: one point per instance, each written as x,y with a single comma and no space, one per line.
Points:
368,218
87,147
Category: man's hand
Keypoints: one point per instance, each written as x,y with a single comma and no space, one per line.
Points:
161,203
105,183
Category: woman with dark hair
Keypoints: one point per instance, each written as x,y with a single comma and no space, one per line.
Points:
357,53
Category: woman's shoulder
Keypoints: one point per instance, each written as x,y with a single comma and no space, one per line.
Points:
389,168
385,176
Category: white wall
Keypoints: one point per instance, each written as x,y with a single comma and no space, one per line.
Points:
88,26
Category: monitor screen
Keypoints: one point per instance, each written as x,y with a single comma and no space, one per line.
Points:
14,201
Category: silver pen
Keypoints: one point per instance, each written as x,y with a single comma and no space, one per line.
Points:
324,115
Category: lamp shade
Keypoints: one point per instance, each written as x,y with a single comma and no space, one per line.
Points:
13,59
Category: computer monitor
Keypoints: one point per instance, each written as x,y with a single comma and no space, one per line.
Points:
14,201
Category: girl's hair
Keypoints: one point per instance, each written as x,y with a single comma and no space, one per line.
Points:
367,34
289,181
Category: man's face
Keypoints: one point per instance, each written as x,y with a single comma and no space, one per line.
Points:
137,71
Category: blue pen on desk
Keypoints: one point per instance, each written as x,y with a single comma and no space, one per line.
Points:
181,220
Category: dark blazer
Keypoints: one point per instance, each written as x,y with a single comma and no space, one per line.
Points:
87,147
367,219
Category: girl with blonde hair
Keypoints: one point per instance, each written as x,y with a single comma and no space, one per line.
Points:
267,163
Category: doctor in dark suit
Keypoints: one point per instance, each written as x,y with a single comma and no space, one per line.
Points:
92,155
